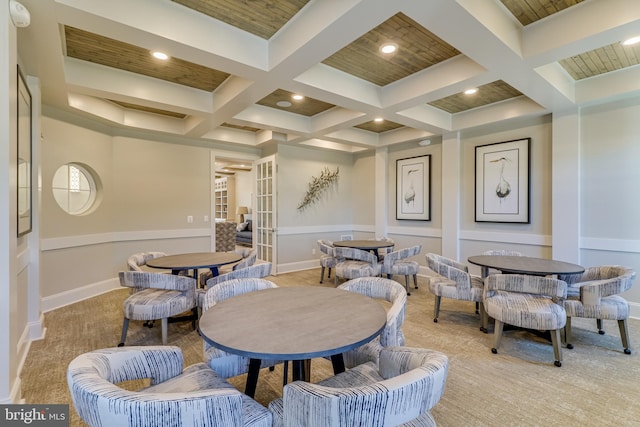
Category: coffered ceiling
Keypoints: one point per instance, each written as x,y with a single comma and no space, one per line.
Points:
234,65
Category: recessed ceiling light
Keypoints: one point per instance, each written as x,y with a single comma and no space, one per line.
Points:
631,41
160,55
378,119
283,104
297,97
388,48
471,91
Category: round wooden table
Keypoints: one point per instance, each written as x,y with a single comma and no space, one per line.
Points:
525,265
292,323
194,261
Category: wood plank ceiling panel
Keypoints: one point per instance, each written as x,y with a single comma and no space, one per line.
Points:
418,49
262,18
529,11
94,48
149,109
306,106
379,127
486,94
247,128
603,60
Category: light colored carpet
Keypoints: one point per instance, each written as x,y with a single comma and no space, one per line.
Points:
597,385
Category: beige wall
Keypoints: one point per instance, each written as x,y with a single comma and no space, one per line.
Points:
148,190
63,143
157,185
150,187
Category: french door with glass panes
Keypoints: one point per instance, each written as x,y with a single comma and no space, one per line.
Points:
264,215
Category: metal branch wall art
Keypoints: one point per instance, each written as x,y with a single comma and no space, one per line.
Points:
317,186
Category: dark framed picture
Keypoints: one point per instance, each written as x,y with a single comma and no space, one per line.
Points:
502,181
24,156
413,188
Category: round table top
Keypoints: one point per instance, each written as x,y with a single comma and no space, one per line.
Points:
525,265
363,244
194,260
293,323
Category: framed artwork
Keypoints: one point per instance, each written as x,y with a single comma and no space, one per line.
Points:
24,156
502,181
413,188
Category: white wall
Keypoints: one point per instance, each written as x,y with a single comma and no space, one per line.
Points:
244,189
610,177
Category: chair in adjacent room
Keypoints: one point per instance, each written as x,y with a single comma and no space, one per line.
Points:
354,263
397,262
159,296
594,294
392,335
454,281
227,364
530,302
400,392
327,258
195,396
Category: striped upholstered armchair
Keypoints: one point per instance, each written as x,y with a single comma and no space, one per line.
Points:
354,263
392,335
398,262
454,281
529,302
227,364
594,295
401,392
157,296
174,398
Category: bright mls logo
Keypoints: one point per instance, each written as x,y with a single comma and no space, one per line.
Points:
34,415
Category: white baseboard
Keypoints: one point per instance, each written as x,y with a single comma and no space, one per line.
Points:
69,297
298,266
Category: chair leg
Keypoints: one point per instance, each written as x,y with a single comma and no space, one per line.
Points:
557,351
406,284
321,274
567,334
415,281
484,319
436,309
624,334
600,328
123,336
165,326
497,336
329,274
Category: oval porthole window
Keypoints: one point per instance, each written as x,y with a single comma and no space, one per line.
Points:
75,188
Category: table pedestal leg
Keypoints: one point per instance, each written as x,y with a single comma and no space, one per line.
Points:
298,370
252,377
338,363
